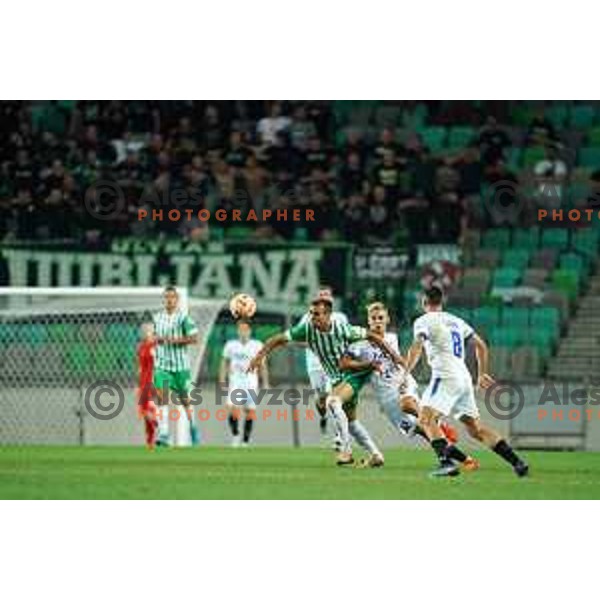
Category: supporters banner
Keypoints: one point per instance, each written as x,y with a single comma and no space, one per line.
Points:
277,272
383,263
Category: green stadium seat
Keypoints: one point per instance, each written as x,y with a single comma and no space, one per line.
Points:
589,157
508,336
586,241
574,262
582,116
434,138
546,317
522,114
506,277
516,258
496,238
593,136
557,114
577,194
460,137
555,238
567,282
238,233
516,317
532,156
486,316
526,239
543,340
513,157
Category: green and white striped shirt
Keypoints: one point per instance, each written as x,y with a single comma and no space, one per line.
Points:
329,346
171,357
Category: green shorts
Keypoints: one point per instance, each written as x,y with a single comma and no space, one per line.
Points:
179,382
356,381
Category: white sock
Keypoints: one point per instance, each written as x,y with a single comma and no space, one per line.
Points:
362,437
163,421
340,420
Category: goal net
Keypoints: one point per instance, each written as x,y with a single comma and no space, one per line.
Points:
68,362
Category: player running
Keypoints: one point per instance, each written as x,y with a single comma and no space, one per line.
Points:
146,406
396,393
175,331
237,355
450,390
330,340
319,380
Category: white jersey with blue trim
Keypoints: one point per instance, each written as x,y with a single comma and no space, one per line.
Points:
392,375
312,360
443,336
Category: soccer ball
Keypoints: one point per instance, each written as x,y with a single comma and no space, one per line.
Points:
242,306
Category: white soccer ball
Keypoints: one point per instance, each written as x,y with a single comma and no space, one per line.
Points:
242,306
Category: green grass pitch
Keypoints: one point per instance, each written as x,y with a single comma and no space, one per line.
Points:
278,473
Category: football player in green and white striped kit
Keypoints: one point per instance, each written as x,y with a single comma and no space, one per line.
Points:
175,331
329,340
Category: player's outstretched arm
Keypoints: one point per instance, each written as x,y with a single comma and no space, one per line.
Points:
386,348
484,379
281,339
413,355
348,363
184,340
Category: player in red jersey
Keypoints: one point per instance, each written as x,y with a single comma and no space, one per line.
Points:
146,406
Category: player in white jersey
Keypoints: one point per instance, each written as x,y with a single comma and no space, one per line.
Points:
450,391
319,381
243,385
396,393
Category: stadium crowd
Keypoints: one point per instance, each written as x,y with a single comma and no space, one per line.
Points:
374,173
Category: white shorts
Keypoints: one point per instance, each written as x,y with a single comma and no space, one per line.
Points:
319,382
451,397
245,401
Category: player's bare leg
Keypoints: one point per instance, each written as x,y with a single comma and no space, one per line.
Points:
341,394
492,439
362,437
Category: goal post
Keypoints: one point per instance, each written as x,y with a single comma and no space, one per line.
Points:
57,345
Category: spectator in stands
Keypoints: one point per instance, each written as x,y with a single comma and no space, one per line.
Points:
550,176
268,127
379,225
541,131
353,217
386,145
387,176
493,141
351,176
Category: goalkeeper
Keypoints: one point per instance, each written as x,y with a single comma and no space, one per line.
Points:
174,331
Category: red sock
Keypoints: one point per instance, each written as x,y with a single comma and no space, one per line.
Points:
151,427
